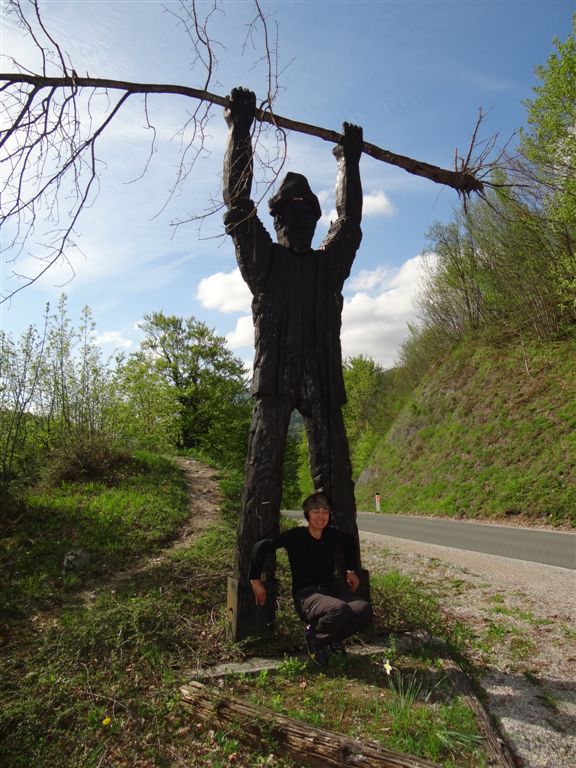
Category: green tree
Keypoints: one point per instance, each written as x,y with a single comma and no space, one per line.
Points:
148,412
550,141
20,368
451,298
209,382
76,398
521,257
549,145
59,407
365,412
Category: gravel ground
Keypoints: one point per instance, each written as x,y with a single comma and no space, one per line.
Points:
522,618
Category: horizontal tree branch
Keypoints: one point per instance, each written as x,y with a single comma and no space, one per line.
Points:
463,181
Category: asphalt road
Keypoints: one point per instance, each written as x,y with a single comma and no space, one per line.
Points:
533,545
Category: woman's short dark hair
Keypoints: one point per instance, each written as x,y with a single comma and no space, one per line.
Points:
315,501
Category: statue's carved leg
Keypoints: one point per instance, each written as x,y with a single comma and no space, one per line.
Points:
262,492
260,515
330,464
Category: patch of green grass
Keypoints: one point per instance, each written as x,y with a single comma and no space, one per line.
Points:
404,604
497,634
518,613
412,710
522,648
112,523
98,683
481,437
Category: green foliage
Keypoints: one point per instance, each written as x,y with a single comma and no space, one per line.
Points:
550,147
231,483
208,381
76,397
20,370
58,398
66,413
371,404
148,412
550,142
373,398
452,297
506,264
405,605
291,491
304,477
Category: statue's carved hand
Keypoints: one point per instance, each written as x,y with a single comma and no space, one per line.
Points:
240,109
350,144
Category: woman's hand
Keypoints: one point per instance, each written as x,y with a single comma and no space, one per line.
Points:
352,580
259,591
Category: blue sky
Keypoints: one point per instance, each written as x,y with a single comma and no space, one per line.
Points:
413,74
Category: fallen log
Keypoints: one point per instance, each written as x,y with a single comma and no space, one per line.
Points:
316,747
497,750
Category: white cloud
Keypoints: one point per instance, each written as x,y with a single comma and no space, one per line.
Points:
243,333
375,318
114,338
327,218
369,279
225,291
374,204
325,196
377,204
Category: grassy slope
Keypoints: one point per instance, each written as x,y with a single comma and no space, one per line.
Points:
490,433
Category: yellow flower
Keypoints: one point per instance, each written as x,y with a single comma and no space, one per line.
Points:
387,667
106,721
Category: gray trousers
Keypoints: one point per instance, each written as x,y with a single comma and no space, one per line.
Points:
334,615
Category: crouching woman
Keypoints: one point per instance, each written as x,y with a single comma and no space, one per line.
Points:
316,552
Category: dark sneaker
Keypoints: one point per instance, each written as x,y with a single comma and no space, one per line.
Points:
321,656
337,648
317,655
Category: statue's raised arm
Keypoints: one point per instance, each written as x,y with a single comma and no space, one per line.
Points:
348,186
238,163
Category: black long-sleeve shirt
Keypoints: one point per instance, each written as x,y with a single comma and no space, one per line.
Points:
312,561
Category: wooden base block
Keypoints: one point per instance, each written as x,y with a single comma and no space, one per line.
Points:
247,618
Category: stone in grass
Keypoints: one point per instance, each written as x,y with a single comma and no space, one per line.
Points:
75,561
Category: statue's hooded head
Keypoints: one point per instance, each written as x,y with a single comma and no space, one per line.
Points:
296,210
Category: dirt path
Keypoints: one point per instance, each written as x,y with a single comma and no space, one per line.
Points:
204,502
204,499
